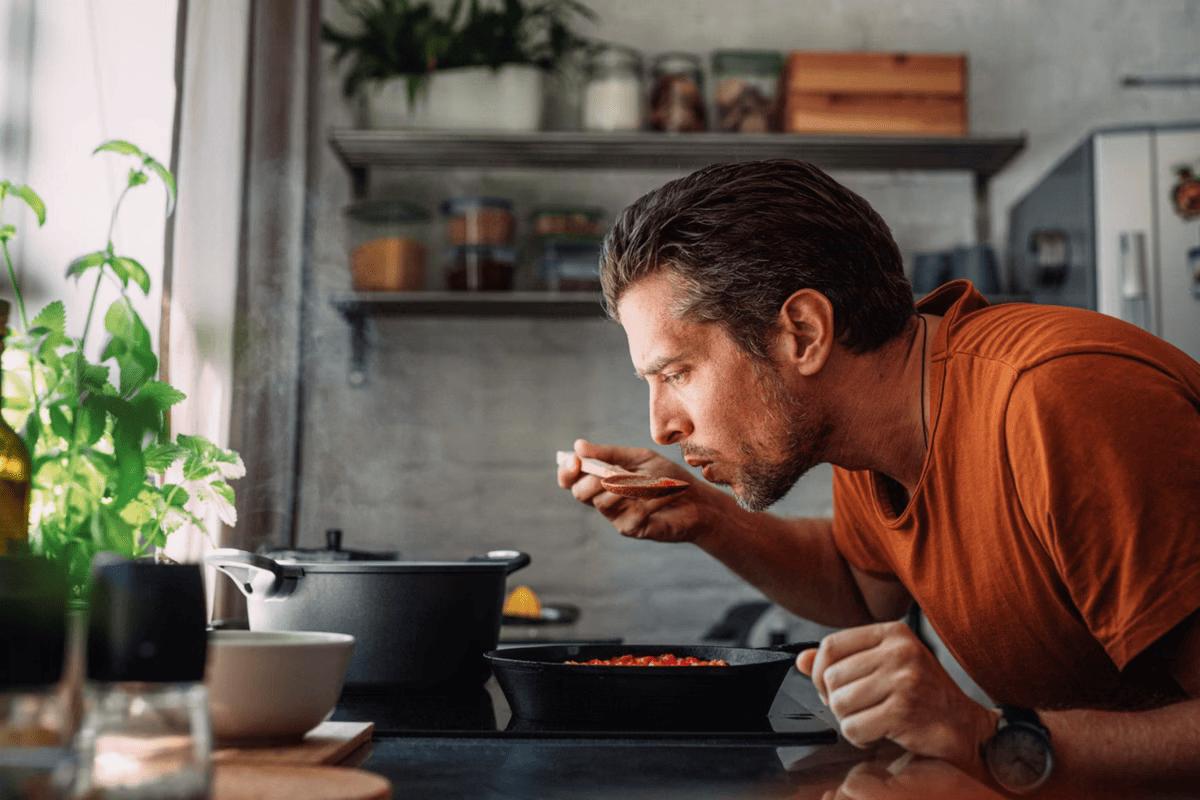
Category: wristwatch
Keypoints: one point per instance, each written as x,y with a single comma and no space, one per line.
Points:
1018,755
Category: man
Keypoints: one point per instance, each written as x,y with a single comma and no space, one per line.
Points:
1029,475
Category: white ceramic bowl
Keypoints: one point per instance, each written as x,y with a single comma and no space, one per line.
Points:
273,685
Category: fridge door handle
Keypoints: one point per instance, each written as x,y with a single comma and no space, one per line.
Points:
1133,265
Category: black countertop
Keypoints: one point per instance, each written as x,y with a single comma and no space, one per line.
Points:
461,749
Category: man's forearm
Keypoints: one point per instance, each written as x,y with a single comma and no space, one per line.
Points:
792,561
1157,748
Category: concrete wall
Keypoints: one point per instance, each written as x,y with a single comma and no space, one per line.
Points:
449,448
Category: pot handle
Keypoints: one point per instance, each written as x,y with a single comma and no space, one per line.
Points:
253,574
513,559
794,648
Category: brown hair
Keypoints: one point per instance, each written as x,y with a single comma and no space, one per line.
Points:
742,237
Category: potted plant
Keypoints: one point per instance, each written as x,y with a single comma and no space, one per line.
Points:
478,67
106,475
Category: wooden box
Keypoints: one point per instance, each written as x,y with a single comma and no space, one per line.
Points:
876,93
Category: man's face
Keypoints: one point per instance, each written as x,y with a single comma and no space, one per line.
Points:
730,414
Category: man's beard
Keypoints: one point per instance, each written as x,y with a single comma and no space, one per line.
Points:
804,436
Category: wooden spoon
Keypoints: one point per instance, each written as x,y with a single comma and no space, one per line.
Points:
623,482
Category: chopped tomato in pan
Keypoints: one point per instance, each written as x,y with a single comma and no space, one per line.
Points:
664,660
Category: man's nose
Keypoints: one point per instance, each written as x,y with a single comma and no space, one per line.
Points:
668,422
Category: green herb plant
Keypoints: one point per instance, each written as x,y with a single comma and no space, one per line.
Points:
410,39
106,474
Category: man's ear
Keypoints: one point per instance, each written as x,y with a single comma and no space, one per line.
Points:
806,328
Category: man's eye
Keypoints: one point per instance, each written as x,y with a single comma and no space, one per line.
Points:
674,377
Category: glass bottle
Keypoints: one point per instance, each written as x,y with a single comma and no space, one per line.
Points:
146,730
15,469
612,95
34,732
677,94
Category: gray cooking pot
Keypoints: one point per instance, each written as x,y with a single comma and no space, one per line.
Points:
416,624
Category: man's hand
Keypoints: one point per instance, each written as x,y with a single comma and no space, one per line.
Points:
882,683
679,518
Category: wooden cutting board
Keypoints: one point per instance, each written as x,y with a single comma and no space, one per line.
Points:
328,743
243,781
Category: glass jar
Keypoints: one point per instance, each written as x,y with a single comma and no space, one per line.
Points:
387,245
745,94
612,94
479,221
480,268
146,730
567,220
677,93
571,265
144,740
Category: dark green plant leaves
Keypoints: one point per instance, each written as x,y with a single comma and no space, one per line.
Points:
161,395
166,177
160,457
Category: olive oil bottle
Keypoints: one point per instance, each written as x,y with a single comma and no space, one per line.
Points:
15,469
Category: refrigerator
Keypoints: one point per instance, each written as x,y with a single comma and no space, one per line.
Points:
1115,226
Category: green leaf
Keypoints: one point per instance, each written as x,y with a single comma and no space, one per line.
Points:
168,180
124,323
120,146
176,495
137,366
160,457
194,469
86,262
33,201
119,270
224,490
163,395
134,271
137,177
59,423
92,422
53,317
7,232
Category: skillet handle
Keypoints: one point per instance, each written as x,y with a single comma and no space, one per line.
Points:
513,559
795,648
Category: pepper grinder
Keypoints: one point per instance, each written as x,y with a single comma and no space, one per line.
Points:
146,730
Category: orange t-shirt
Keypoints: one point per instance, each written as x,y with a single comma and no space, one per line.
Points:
1055,530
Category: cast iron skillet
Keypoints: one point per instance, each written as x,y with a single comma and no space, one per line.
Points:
540,686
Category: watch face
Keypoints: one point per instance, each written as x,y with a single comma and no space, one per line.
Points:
1019,757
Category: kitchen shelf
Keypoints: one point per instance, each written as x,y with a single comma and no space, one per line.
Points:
361,151
358,307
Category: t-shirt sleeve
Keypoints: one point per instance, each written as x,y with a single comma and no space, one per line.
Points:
1105,455
852,530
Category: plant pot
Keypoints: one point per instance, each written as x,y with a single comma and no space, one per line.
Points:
464,98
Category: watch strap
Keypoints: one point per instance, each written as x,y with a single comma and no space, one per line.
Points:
1027,716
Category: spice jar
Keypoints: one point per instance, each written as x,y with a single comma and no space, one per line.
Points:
387,241
746,88
567,220
480,268
677,96
612,95
479,221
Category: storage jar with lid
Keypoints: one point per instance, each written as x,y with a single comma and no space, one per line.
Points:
387,245
677,93
480,268
479,221
745,94
612,94
571,264
567,220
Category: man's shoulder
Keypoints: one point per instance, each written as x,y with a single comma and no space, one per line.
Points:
1025,336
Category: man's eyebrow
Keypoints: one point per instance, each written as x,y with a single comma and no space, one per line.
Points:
658,365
